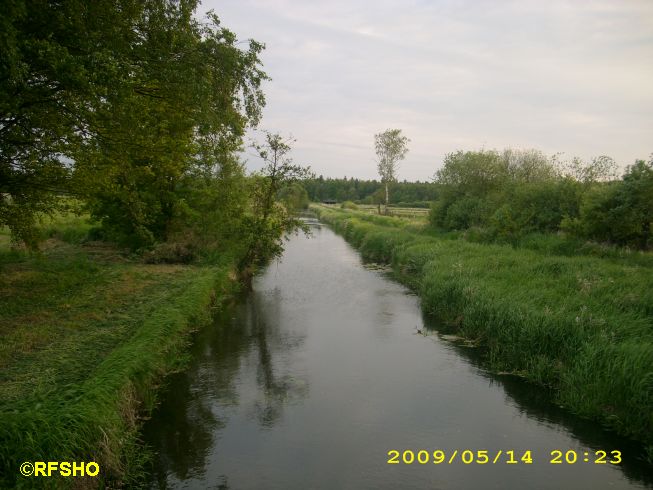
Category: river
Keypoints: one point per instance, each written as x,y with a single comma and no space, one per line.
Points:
309,380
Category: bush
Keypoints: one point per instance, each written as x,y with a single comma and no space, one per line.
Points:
348,205
516,193
620,212
534,207
463,213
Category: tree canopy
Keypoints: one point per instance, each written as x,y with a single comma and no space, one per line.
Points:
515,192
116,103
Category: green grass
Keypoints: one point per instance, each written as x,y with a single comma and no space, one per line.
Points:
543,243
579,324
87,334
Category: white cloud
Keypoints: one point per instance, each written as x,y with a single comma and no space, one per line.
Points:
560,76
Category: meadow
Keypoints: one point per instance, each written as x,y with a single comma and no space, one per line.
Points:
578,321
89,330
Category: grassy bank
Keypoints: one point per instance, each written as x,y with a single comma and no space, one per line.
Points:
579,324
87,334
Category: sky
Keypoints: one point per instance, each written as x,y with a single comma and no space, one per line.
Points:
570,77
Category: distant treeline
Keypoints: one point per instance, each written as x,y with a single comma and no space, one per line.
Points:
370,191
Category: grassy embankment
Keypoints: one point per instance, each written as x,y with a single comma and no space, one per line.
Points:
87,334
579,324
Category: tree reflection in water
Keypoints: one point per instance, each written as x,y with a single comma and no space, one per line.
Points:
194,401
277,390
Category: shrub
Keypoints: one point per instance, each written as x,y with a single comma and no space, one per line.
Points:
620,212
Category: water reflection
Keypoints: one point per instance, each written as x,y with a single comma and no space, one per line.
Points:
195,403
183,451
276,390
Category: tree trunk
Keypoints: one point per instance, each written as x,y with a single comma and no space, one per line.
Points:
386,198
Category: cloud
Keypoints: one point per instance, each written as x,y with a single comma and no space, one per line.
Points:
560,76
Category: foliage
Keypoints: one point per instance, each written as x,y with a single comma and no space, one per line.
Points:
473,173
620,211
45,79
95,101
348,205
485,188
391,147
268,221
294,197
517,193
163,128
537,206
209,214
599,169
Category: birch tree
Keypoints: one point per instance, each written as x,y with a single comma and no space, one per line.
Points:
391,147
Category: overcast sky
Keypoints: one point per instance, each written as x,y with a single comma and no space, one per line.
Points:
561,76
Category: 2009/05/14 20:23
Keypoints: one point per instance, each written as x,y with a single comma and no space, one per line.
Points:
482,456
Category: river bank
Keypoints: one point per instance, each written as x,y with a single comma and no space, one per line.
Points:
88,334
582,326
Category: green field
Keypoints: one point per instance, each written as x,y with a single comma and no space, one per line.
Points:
88,333
418,214
414,213
579,324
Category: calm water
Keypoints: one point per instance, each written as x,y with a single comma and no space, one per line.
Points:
308,381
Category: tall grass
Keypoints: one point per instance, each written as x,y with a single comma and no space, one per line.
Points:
87,336
579,324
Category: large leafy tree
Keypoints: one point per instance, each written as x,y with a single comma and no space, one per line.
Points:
189,96
56,60
116,102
